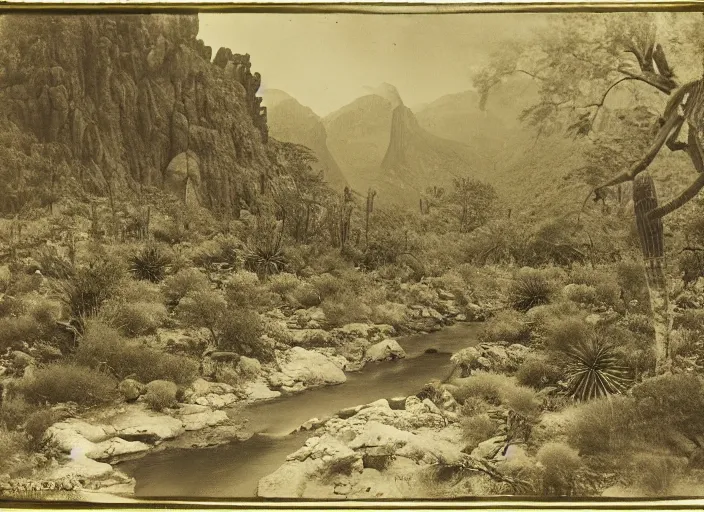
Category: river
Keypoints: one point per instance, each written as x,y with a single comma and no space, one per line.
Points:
233,470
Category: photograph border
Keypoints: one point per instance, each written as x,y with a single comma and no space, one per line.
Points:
427,7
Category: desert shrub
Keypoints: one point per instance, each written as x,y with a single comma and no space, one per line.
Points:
630,276
542,317
539,371
240,332
472,406
283,284
522,400
344,308
203,309
530,288
581,294
11,306
670,403
36,426
604,283
104,346
243,289
588,275
45,313
560,466
21,284
509,326
478,428
564,333
641,324
14,411
390,313
396,272
335,468
691,266
691,319
454,283
89,286
182,283
11,444
486,283
486,386
52,264
160,394
132,290
223,249
683,342
306,295
134,318
68,382
277,331
14,330
657,474
327,285
605,425
594,369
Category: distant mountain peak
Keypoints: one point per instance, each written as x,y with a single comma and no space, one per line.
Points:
273,97
388,92
403,127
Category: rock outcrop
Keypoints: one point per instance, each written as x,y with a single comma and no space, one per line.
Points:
134,100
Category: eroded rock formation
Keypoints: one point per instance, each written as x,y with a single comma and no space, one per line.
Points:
126,95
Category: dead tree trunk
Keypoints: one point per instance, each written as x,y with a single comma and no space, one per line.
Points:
650,233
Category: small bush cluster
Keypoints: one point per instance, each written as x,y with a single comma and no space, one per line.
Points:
104,346
539,371
90,286
161,394
560,465
184,282
68,382
509,326
134,318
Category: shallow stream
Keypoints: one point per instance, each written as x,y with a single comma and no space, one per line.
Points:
233,470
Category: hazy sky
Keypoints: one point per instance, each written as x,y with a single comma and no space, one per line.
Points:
327,60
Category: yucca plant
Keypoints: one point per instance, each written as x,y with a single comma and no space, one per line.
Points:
265,261
150,264
595,370
529,290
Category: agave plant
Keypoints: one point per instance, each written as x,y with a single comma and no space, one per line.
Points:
150,264
265,261
595,370
529,290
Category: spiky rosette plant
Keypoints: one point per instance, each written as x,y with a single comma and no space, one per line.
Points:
530,289
265,261
595,370
150,264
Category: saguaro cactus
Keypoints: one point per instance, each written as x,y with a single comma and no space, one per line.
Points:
650,233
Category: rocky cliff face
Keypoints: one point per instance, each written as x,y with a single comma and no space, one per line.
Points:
134,100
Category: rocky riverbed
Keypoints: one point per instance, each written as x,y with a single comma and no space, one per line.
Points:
83,449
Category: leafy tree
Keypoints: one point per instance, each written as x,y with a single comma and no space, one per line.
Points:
582,59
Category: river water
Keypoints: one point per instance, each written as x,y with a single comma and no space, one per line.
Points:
233,470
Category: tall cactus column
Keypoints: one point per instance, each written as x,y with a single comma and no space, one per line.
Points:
650,233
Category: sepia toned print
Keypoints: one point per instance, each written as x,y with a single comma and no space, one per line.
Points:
341,256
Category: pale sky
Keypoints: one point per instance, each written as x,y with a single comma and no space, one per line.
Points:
327,60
